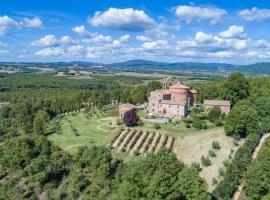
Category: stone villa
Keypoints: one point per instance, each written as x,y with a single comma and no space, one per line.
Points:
172,102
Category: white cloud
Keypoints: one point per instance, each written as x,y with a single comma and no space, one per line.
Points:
143,38
255,14
123,19
81,30
35,22
47,41
3,52
66,40
6,23
50,52
190,13
124,38
221,54
232,32
159,44
202,37
76,51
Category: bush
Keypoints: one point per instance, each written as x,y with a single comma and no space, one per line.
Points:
206,161
131,118
199,124
157,126
211,153
216,145
226,163
235,143
221,172
197,166
214,181
214,114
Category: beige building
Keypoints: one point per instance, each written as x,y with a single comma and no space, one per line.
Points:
225,106
172,102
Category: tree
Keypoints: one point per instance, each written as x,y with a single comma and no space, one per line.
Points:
214,114
242,119
131,118
153,85
40,120
192,186
236,87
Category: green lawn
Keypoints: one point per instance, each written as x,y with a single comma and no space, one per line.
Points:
92,131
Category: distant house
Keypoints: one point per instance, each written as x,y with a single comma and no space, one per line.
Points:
225,106
123,108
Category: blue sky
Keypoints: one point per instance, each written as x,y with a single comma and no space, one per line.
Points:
111,30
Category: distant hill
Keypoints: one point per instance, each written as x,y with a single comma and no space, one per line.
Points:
176,66
257,68
137,64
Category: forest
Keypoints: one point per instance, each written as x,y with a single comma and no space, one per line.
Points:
31,167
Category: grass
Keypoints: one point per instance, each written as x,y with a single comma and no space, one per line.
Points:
92,131
176,130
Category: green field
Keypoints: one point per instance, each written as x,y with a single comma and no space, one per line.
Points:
94,130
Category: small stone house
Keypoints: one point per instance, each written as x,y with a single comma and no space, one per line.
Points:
225,106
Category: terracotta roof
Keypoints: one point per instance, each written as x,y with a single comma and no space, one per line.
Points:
179,86
216,103
126,106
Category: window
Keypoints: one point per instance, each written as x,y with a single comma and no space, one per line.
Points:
153,104
153,110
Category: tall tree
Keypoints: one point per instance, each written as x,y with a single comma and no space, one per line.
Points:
236,87
242,119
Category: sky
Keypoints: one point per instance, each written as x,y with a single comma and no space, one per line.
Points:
107,31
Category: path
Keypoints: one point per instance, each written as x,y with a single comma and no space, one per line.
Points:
240,188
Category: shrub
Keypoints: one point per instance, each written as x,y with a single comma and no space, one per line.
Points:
221,172
188,125
157,126
206,161
226,163
216,145
199,124
235,143
214,114
214,181
197,166
211,153
131,118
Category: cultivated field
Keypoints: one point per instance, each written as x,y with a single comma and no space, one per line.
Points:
135,142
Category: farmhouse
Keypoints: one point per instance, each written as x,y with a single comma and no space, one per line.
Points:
172,102
224,106
123,108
